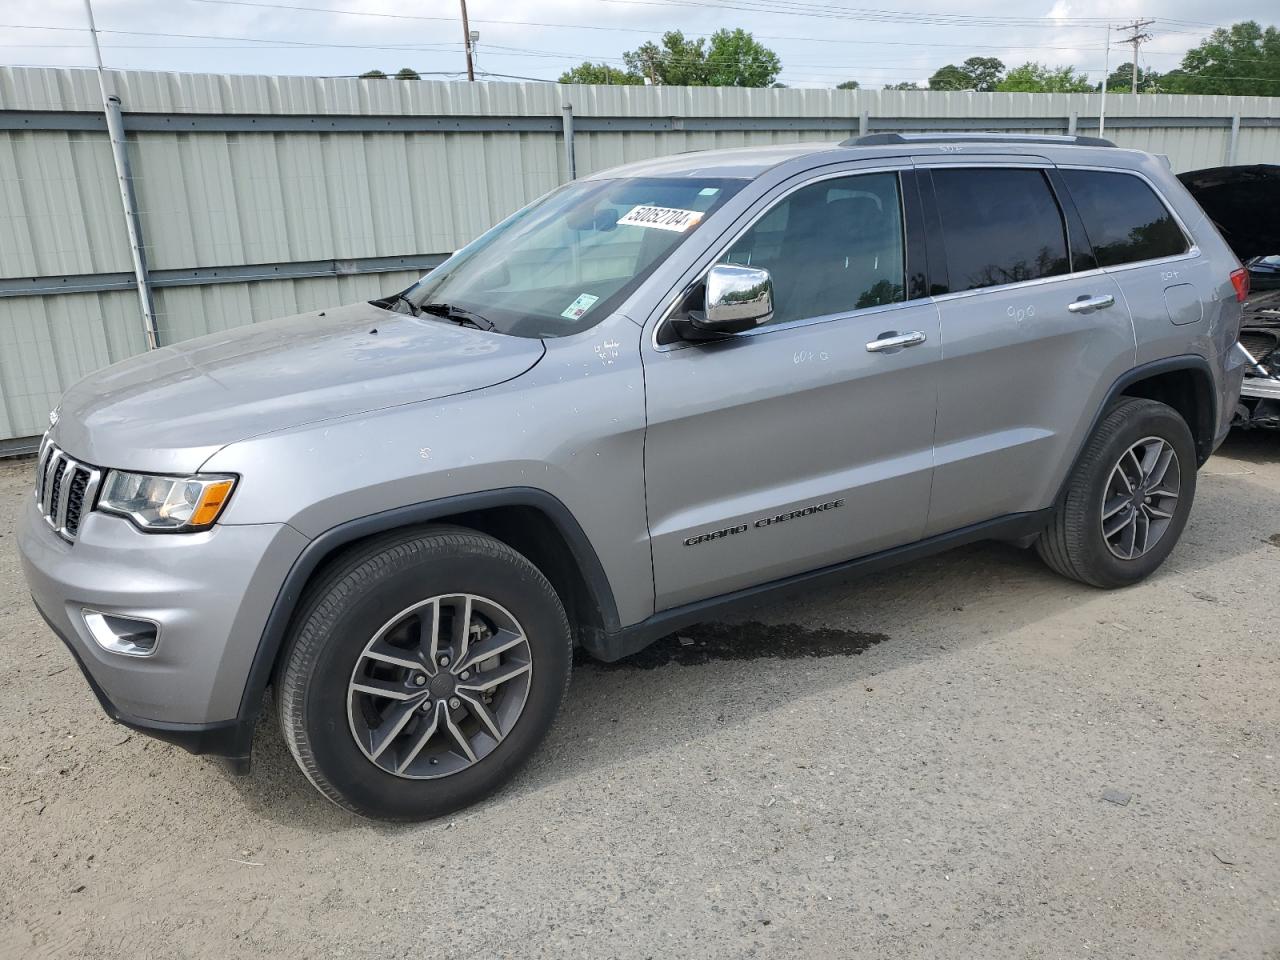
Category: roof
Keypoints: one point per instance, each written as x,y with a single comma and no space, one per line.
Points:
749,162
740,162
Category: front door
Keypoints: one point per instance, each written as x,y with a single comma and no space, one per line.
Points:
808,441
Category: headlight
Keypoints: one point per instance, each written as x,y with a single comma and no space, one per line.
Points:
166,504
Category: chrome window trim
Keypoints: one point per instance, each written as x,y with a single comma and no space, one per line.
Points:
1193,248
769,203
1038,281
932,163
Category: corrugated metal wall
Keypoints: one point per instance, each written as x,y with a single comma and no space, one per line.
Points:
324,182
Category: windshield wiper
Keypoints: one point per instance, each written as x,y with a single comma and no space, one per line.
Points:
458,315
389,303
401,298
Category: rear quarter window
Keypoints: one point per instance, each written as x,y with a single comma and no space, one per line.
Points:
1125,220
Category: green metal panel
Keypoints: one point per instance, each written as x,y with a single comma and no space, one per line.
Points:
388,169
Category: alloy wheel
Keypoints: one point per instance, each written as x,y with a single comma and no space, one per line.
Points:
1140,498
439,686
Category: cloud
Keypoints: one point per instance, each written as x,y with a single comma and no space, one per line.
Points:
555,34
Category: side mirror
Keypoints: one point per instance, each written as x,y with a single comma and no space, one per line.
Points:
738,299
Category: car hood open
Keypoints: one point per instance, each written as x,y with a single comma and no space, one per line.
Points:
169,410
1243,203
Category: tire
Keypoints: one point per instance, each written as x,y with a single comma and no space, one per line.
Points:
1075,543
354,647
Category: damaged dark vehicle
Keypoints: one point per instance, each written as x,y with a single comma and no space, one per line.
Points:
1244,204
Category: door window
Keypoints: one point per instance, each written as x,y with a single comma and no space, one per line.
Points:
1125,220
831,247
999,225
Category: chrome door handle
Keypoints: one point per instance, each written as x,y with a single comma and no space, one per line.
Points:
896,341
1090,304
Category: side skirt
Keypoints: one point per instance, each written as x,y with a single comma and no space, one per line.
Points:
614,646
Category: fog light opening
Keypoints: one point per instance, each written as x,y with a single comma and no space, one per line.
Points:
127,636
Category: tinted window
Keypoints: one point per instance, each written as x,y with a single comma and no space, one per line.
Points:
999,226
1124,218
831,247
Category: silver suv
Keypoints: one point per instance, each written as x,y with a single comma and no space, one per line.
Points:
652,393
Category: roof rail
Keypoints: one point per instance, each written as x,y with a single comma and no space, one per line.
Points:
885,139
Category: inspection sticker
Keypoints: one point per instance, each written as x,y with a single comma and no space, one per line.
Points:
579,306
664,218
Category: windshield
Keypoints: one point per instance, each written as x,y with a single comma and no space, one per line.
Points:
561,264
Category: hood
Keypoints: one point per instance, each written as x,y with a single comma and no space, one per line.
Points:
1243,203
171,409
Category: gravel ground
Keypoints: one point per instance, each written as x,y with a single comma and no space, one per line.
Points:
916,766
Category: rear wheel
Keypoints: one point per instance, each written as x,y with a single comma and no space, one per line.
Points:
423,671
1127,498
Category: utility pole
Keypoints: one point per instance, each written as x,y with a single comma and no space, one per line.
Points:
466,41
132,222
1106,72
1136,38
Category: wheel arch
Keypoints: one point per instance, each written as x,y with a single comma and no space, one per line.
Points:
1183,383
1187,380
530,521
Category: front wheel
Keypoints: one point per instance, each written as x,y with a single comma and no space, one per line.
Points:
1127,499
423,671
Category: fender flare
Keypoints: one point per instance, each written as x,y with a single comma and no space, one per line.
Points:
323,546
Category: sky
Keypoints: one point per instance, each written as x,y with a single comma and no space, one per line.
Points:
820,42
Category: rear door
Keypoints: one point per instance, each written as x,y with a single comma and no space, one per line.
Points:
804,442
1032,336
1141,245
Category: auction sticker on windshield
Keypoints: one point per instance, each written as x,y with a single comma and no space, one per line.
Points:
663,218
579,306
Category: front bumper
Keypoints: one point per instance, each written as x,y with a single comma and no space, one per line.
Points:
210,594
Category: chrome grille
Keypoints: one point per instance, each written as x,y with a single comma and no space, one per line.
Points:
65,488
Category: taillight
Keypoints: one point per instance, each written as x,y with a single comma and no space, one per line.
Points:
1240,280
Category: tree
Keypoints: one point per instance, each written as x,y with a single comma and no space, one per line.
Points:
847,85
1243,59
731,58
976,73
373,75
950,77
904,85
599,73
407,73
985,71
737,59
1175,81
1120,80
676,62
1038,78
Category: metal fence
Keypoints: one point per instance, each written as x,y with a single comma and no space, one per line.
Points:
264,196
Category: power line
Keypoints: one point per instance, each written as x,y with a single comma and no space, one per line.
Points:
757,6
795,70
1136,37
322,44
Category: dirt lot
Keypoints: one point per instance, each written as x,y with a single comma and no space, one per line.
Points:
918,766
